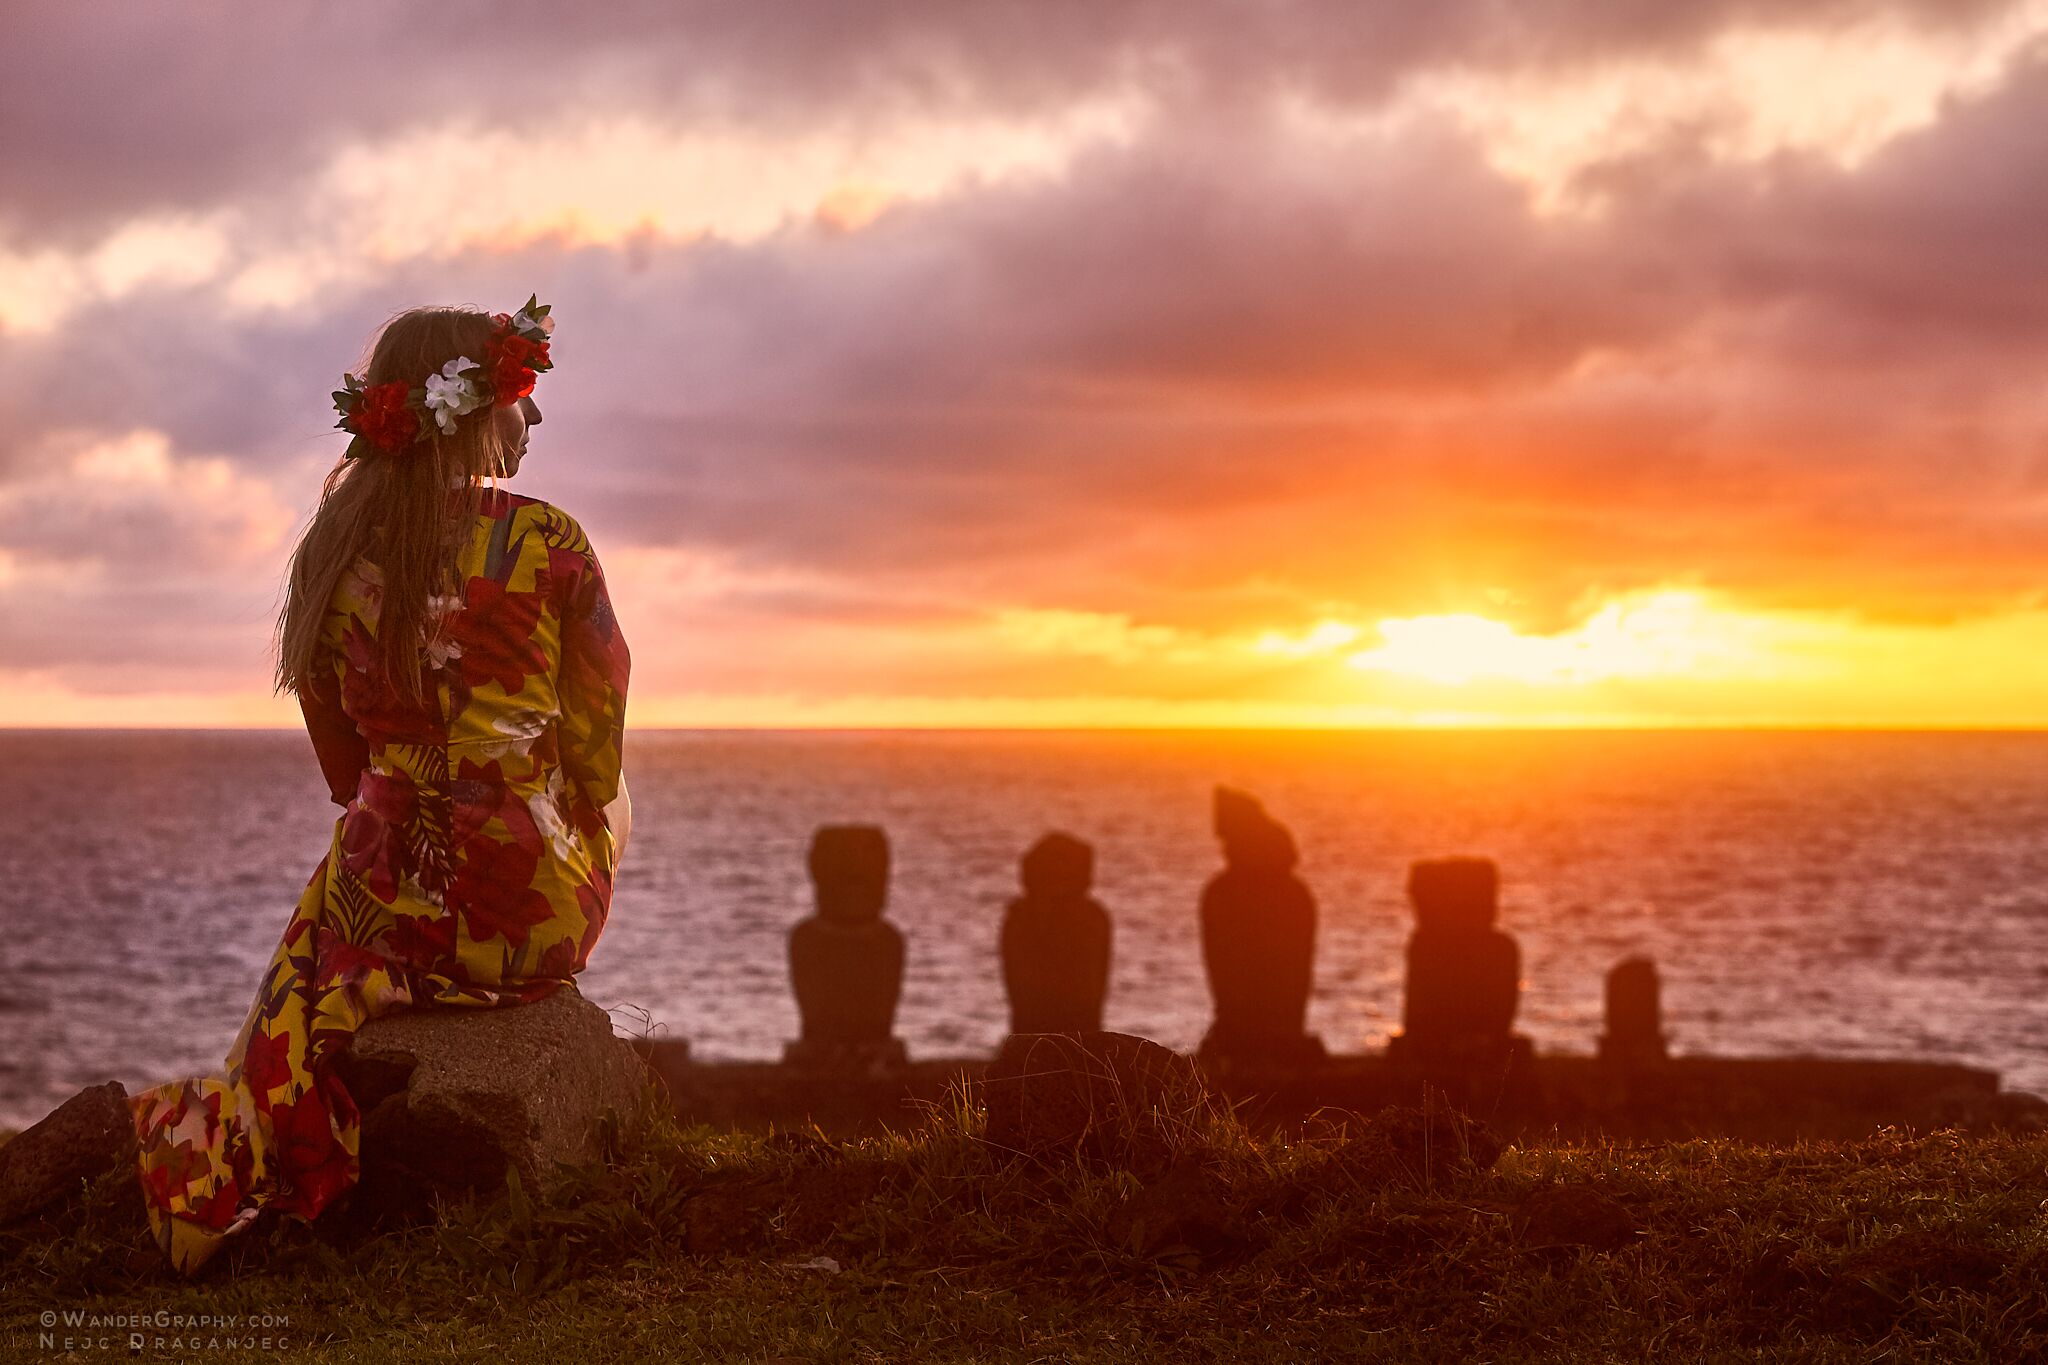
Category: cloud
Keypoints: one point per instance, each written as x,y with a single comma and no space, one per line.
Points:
1744,94
448,191
982,349
174,108
130,567
1171,372
133,501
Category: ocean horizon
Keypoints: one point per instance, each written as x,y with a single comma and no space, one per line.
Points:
1833,892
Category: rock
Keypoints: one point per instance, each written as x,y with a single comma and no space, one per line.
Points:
454,1099
1110,1096
81,1139
824,1263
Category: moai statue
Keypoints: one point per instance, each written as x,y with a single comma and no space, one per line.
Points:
1056,942
1464,975
846,961
1635,1022
1258,941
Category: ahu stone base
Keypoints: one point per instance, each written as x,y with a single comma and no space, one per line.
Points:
1779,1099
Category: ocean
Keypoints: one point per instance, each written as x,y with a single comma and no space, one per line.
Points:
1850,894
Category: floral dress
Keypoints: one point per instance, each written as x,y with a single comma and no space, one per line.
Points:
472,865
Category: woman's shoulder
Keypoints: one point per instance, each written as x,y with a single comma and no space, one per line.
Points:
522,514
503,503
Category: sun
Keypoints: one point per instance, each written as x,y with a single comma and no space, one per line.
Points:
1648,635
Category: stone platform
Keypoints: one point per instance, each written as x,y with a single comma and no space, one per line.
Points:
1774,1099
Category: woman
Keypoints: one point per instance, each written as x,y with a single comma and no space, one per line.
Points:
464,684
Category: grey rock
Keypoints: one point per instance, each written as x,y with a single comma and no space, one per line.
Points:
454,1099
81,1139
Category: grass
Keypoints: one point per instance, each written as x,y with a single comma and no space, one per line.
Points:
1405,1236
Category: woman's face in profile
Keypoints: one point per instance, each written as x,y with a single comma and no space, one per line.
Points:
515,425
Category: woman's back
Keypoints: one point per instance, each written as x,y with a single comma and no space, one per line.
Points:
528,642
485,795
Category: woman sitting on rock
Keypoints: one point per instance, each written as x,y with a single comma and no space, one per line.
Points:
464,683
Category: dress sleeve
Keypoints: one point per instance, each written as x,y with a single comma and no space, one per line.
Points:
340,747
592,685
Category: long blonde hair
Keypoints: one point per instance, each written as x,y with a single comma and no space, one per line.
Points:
408,513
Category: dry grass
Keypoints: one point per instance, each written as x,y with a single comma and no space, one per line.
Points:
1406,1236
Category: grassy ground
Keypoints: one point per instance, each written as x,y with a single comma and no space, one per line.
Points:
1403,1237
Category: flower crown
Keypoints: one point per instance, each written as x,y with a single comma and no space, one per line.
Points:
390,417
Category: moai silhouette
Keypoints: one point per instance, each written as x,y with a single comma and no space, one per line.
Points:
1258,941
846,961
1464,975
1635,1024
1056,942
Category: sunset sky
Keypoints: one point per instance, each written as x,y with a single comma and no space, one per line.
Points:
1073,363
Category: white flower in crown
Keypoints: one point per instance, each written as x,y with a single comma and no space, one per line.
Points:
522,323
450,394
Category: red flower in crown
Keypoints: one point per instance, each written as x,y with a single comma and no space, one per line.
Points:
510,381
387,417
518,348
517,353
384,417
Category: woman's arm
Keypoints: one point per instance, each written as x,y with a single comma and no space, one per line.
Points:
340,747
594,670
619,815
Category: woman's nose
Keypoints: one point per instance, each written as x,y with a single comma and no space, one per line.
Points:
532,412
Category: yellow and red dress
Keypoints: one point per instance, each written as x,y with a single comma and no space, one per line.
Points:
472,864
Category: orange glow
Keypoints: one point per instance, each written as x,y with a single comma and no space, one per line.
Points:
1668,657
1669,633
